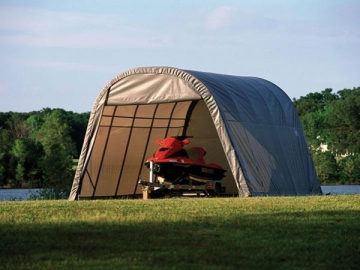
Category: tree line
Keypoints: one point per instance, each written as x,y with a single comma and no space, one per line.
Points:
37,149
331,123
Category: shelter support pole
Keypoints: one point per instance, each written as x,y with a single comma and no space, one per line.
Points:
145,191
151,171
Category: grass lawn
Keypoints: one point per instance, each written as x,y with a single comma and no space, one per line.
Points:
315,232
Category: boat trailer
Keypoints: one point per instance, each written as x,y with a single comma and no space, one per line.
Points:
184,188
158,190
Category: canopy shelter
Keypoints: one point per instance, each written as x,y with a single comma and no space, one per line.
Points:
247,125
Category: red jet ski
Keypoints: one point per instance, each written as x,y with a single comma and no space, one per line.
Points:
177,165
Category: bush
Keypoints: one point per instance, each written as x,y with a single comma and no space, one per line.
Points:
326,167
350,169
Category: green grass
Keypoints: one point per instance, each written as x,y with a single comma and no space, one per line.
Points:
317,232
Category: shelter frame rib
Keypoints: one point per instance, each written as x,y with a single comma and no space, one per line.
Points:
90,178
188,115
170,117
103,153
91,182
146,146
126,151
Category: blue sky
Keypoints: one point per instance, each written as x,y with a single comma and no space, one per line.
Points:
60,54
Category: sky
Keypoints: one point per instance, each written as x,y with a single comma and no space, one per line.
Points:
61,53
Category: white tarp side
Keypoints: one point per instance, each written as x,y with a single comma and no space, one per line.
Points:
265,131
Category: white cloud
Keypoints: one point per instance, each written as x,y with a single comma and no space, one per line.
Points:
240,20
221,17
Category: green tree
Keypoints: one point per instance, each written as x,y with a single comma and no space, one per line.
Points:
350,169
78,125
314,102
58,173
59,150
16,124
315,125
6,142
4,119
55,130
26,154
344,122
326,167
33,124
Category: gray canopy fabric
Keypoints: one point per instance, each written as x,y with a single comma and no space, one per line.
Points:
247,125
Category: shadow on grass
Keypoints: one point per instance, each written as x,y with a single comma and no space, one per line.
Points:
322,240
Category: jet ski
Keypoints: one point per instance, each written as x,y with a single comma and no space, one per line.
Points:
173,163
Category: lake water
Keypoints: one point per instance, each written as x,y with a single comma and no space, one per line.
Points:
341,189
25,194
21,194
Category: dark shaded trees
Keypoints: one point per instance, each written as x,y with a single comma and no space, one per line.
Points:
332,120
6,143
327,168
344,122
37,149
